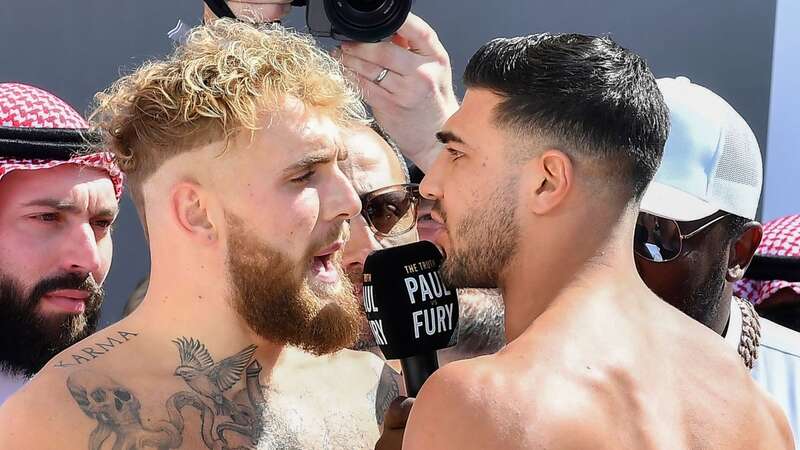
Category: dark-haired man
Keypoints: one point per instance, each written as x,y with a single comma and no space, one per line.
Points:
56,211
697,234
565,133
393,214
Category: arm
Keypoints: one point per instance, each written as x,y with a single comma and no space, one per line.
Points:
386,391
416,97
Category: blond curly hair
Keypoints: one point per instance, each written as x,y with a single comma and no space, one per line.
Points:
226,78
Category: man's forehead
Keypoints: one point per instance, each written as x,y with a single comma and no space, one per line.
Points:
308,123
474,117
67,181
372,163
292,133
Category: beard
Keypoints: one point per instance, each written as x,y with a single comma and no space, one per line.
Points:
28,338
279,302
488,236
703,304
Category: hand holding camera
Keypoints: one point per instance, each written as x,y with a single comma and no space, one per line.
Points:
408,83
256,11
344,20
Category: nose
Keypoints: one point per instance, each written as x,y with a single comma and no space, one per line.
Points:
431,187
80,252
362,242
341,201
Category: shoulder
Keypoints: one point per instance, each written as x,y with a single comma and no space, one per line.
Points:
449,405
476,404
55,399
774,424
44,404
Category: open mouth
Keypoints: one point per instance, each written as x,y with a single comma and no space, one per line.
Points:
71,301
323,268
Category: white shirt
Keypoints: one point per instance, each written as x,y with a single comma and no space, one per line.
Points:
777,368
9,384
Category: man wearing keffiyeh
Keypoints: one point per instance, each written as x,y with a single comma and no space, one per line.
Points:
57,204
775,297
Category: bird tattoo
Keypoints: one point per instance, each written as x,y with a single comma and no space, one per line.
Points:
210,379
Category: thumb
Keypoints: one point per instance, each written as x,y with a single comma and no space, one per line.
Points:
397,414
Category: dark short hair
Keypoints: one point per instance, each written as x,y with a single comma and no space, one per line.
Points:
592,97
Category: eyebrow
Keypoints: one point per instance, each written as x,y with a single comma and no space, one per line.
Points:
448,136
310,160
69,207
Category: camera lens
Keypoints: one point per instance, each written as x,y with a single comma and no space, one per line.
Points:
365,5
367,20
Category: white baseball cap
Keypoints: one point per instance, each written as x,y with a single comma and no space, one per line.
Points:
711,160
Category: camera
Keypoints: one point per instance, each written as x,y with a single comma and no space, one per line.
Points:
355,20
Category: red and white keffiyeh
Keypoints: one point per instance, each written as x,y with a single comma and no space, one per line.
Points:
27,107
781,238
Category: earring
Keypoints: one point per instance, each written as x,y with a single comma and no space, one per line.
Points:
736,273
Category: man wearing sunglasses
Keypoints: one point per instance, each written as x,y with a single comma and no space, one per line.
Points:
697,234
388,206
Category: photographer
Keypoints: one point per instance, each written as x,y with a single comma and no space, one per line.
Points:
406,81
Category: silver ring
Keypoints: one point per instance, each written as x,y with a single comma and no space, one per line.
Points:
381,76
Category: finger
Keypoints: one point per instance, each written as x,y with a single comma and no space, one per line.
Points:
397,414
400,41
391,81
377,98
384,54
421,38
392,440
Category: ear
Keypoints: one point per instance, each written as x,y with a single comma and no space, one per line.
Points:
555,176
189,203
742,250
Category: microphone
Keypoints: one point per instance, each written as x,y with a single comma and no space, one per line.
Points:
410,311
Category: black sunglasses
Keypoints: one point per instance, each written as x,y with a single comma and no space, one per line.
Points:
658,239
391,210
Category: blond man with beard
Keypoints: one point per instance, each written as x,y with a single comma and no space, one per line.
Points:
232,146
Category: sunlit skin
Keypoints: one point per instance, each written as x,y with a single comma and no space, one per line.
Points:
453,172
53,222
285,184
587,340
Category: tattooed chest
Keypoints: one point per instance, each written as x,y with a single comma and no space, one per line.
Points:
223,407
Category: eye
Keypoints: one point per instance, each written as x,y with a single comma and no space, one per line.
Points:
103,223
46,217
303,178
454,154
